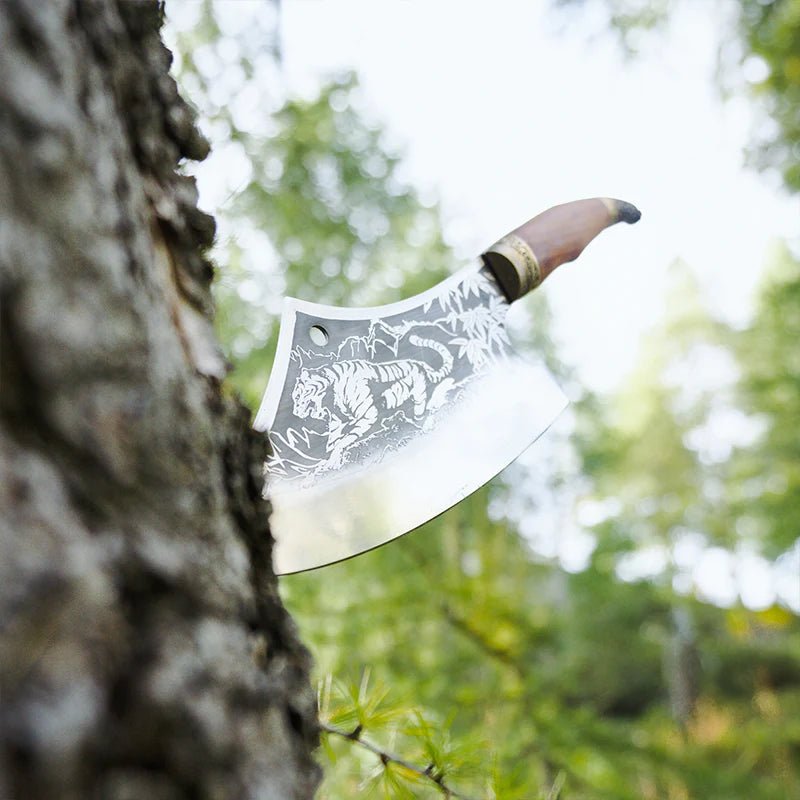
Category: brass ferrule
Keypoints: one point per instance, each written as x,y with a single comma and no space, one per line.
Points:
515,251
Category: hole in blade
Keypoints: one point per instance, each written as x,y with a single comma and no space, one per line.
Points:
318,335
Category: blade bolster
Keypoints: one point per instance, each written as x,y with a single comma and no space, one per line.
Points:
515,266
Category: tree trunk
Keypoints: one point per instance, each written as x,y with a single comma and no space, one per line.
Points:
144,651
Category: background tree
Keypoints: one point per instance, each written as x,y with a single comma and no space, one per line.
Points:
144,651
768,474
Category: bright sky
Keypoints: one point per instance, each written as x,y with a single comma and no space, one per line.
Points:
504,109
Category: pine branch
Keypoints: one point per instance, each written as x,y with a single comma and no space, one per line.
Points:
429,773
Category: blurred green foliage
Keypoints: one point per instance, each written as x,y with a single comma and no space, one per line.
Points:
325,193
459,650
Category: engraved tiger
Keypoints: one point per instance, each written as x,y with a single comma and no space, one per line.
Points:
351,394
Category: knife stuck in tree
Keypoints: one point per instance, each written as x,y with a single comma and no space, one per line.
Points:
382,418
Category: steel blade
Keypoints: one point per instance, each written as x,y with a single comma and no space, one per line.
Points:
382,418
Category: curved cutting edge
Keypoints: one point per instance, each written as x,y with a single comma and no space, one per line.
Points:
358,509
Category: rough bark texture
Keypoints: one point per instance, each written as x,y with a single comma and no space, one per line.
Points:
144,651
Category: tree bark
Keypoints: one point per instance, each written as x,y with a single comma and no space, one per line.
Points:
144,651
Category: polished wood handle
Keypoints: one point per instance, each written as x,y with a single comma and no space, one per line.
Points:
526,256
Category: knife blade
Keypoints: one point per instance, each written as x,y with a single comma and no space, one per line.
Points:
382,418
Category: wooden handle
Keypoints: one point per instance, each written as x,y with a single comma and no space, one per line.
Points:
526,256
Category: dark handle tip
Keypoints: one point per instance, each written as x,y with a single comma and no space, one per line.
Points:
627,212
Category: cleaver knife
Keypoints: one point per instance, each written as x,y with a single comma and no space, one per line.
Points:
382,418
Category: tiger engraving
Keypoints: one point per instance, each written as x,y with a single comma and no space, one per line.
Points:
353,395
